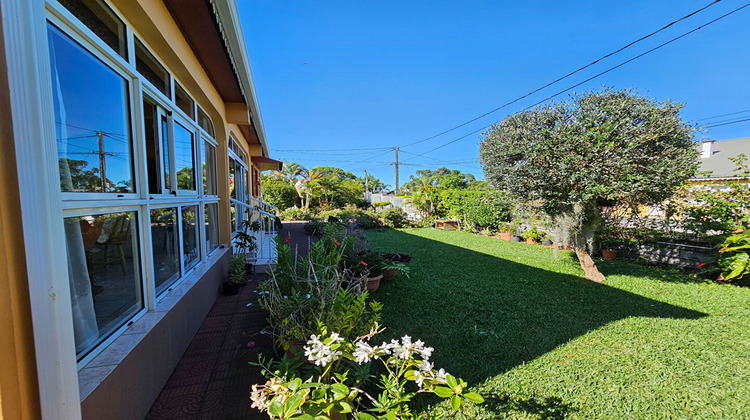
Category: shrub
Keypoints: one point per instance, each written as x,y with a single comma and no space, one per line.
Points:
295,213
236,269
394,217
381,204
314,227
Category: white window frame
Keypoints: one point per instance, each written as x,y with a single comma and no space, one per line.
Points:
45,206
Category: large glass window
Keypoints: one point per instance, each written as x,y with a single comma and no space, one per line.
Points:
212,226
165,247
183,101
184,152
92,120
209,168
104,273
150,68
102,21
190,250
92,91
204,121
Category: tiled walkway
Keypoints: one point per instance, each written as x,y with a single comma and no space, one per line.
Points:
213,379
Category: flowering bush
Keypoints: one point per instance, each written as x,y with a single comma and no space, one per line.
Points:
733,262
335,385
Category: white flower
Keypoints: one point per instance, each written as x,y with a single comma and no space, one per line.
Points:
425,366
322,354
441,374
364,352
259,398
418,378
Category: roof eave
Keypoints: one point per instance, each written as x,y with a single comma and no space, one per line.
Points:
228,17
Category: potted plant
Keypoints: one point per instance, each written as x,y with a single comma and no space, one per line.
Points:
392,268
609,248
372,263
236,275
533,235
506,230
245,242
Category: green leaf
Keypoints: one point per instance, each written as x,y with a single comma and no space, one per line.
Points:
304,416
474,397
451,380
390,415
346,407
364,416
339,391
276,409
443,392
455,402
292,404
294,384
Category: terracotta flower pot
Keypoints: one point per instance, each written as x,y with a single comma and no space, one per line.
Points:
295,347
505,236
390,274
373,283
609,254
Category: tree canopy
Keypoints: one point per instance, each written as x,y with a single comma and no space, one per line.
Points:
598,148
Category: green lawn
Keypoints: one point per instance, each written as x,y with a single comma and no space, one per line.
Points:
538,341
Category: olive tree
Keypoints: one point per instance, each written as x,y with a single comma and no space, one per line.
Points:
598,148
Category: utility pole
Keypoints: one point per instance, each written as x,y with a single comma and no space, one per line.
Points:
366,190
102,161
396,164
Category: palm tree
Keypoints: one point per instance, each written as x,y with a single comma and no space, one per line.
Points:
424,193
309,186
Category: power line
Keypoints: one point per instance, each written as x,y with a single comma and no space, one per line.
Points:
597,75
567,75
723,115
727,123
331,150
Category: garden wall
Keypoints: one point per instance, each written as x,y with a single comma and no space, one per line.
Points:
688,256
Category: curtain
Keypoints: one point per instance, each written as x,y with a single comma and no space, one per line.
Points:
81,297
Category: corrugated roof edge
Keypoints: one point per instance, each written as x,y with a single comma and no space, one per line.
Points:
229,22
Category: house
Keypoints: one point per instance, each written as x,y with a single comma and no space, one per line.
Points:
132,148
716,166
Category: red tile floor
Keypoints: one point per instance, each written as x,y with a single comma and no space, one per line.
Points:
213,378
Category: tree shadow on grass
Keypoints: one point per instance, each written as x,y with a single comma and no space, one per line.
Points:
485,314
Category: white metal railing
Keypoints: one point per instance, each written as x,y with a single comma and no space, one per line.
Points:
261,205
265,253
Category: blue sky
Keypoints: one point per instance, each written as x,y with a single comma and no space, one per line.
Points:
334,76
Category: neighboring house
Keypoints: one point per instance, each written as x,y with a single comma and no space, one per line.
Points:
132,149
716,158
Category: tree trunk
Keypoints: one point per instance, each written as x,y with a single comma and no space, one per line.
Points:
590,272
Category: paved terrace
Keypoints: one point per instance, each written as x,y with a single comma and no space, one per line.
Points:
213,378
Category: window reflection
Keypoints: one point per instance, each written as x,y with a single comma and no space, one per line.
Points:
165,247
102,21
150,68
183,158
212,226
209,169
103,269
191,252
91,120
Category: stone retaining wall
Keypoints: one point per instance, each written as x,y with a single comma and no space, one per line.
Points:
688,256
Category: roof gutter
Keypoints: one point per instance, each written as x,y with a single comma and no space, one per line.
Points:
231,30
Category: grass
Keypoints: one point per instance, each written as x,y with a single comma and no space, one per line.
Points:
539,342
